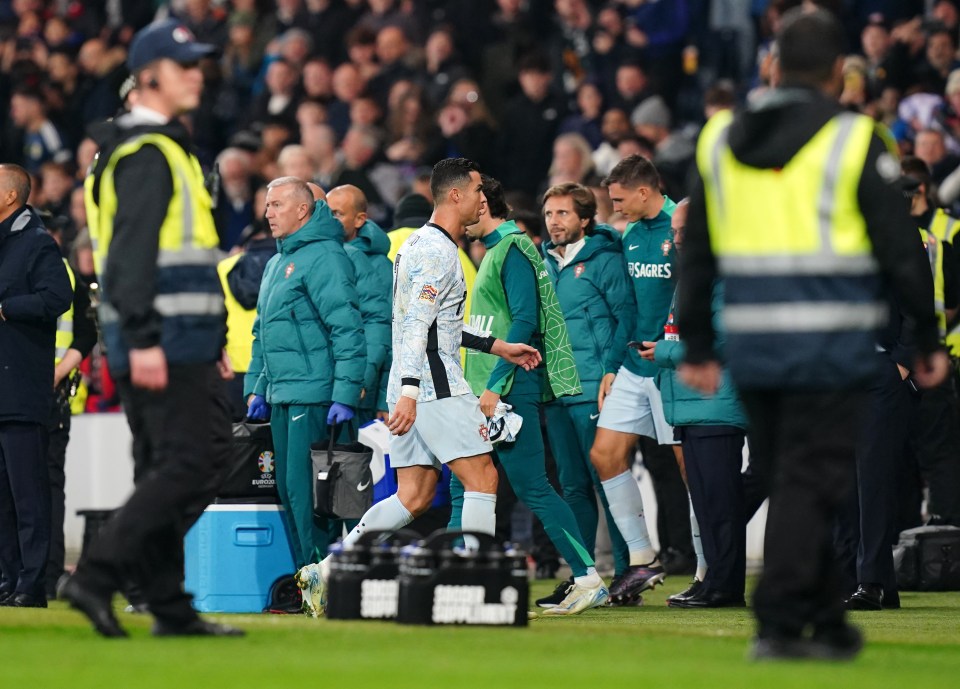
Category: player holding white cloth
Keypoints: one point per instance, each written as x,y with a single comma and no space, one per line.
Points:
435,418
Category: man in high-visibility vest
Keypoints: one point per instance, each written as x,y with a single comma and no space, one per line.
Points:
240,277
76,337
937,433
162,317
798,207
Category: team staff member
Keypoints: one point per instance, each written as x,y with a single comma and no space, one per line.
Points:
76,337
513,299
309,350
711,433
631,407
367,246
585,263
799,210
162,317
34,291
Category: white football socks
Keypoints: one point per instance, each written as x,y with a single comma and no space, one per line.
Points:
697,545
386,515
479,512
626,506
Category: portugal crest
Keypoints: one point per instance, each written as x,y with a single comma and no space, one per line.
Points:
578,271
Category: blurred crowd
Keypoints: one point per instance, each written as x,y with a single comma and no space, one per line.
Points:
374,92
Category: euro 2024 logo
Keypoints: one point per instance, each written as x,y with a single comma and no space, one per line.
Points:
265,462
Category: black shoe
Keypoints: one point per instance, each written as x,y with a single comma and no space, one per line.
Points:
866,597
95,606
5,596
197,627
25,600
838,642
693,589
678,562
710,599
559,593
636,580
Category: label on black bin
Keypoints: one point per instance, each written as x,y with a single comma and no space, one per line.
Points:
379,598
465,605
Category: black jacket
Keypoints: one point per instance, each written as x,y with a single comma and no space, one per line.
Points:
34,291
768,137
132,261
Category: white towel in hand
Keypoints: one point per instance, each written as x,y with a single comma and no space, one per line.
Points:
504,425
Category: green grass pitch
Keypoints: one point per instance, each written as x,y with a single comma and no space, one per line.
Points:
651,647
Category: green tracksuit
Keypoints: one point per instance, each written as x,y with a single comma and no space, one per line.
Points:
518,320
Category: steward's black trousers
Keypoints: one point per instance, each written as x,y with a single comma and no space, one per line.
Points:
867,522
806,440
181,447
713,456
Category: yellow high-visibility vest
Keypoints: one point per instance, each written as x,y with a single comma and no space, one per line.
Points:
239,320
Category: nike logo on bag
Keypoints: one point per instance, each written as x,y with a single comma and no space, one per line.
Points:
362,486
594,416
633,246
298,416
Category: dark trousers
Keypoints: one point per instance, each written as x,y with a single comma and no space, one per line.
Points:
58,429
24,507
673,506
807,439
867,521
713,456
938,452
181,446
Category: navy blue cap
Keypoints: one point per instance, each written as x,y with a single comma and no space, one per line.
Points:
165,39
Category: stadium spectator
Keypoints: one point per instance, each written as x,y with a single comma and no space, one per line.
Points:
41,140
528,128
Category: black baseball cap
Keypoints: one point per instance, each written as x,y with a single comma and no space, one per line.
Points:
168,39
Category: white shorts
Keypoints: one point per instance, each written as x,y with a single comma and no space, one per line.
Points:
634,406
445,430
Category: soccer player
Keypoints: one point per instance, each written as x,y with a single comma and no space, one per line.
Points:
435,418
514,298
631,406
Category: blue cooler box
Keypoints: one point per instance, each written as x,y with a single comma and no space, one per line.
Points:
233,555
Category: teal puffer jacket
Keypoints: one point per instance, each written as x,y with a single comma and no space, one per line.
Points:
309,345
597,301
368,253
684,406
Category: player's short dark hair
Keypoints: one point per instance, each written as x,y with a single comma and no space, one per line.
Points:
496,204
584,202
18,179
632,172
809,44
449,173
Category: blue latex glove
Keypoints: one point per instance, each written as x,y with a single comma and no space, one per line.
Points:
339,413
258,409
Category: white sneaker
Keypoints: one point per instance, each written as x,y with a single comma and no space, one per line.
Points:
312,580
580,598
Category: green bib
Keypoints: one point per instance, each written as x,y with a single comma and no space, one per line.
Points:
490,315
